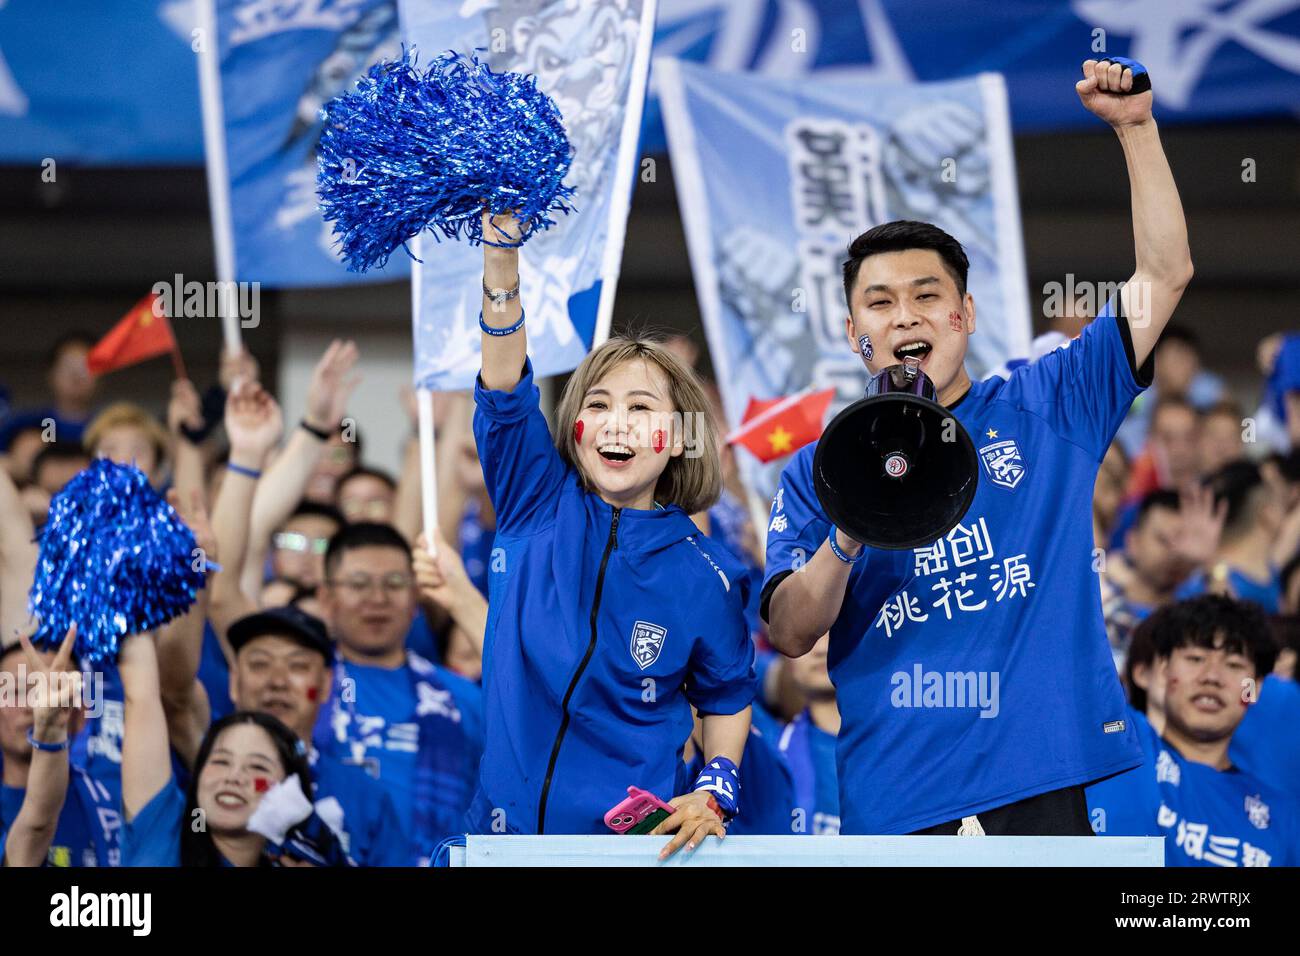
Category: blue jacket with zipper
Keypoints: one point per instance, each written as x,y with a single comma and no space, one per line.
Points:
604,625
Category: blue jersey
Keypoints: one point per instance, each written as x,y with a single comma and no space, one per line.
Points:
810,753
604,626
1208,817
370,828
88,827
153,836
214,674
97,748
727,525
423,640
1267,594
417,730
975,672
476,545
1265,744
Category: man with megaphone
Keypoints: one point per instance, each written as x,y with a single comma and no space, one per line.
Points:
941,529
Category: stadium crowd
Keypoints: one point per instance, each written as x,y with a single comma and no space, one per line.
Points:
333,648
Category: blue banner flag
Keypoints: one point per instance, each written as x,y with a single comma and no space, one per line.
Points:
776,176
592,58
281,61
112,81
1209,59
98,81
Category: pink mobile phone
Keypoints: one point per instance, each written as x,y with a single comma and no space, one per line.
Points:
641,812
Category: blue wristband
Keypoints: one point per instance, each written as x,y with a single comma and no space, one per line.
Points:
48,748
507,331
839,553
241,470
721,778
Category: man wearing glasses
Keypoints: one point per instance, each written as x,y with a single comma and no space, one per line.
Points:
298,546
415,727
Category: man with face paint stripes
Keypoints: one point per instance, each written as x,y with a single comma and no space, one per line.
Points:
973,675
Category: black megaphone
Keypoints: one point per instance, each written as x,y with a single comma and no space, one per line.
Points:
896,470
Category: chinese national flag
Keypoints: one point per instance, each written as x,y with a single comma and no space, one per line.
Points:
773,428
139,335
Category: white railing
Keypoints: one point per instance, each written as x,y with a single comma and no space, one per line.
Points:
568,851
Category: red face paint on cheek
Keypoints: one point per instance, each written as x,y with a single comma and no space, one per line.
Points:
261,784
577,432
955,322
312,693
659,440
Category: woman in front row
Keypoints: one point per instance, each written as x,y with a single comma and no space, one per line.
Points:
610,615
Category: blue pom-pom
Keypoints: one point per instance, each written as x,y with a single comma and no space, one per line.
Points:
409,151
115,559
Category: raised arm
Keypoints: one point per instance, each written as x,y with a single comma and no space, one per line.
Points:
1164,261
408,498
28,840
146,759
503,355
282,487
443,584
454,437
18,553
185,408
253,426
180,644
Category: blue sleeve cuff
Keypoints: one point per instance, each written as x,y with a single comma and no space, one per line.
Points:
1144,374
729,699
509,406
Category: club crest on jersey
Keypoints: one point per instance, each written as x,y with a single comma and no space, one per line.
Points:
1003,463
1257,812
647,642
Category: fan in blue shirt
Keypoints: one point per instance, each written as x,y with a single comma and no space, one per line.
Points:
413,727
1265,744
41,787
609,614
242,760
1210,653
808,744
1257,539
283,667
973,675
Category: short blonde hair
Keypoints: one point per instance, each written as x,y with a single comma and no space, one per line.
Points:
131,415
692,480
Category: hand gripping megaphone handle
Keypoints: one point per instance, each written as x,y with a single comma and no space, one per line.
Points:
1141,78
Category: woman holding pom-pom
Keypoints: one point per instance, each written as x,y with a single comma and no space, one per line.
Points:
609,614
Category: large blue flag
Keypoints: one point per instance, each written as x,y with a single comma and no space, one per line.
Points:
112,81
776,176
1253,47
281,61
593,59
98,81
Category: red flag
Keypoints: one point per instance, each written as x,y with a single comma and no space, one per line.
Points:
775,427
140,334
